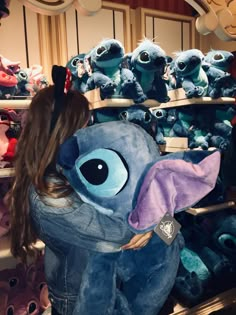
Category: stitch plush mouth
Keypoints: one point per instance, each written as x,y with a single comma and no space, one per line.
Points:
7,80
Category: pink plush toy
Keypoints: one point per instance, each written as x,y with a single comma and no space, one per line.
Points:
23,290
8,66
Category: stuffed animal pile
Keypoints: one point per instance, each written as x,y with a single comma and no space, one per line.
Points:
23,289
148,73
205,126
10,127
208,265
20,82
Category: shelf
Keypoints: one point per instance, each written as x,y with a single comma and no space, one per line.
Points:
15,104
6,258
214,304
6,172
213,208
177,98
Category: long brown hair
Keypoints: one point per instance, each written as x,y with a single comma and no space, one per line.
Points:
35,154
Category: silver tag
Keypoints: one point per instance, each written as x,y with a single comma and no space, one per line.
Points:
167,229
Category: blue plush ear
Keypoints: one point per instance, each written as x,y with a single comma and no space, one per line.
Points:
68,153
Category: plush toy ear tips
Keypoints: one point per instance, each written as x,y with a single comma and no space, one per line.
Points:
68,153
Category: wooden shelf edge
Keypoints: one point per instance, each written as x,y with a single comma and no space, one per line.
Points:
15,104
213,208
177,98
6,172
214,304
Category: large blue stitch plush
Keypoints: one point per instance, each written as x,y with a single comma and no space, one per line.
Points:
116,167
188,70
148,62
104,65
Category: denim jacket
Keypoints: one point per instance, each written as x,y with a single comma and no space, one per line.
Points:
70,229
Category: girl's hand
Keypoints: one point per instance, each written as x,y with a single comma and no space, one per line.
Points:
138,241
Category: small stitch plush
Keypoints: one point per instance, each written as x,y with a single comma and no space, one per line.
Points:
148,63
224,84
104,65
166,119
189,71
79,74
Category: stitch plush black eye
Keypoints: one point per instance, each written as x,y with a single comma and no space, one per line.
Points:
218,57
147,117
10,310
13,282
4,117
181,65
144,56
100,50
124,115
32,307
75,61
22,75
159,113
95,171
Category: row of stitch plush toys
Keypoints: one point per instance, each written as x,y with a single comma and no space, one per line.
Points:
148,73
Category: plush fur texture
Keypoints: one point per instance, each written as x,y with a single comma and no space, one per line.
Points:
148,63
189,71
217,67
78,71
103,63
116,167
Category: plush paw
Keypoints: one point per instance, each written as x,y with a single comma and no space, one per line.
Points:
108,88
224,145
164,99
198,91
127,84
215,93
161,141
140,99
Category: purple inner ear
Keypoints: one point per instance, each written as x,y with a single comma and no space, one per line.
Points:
171,186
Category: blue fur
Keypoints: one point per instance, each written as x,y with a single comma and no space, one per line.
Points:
131,282
108,75
148,63
189,71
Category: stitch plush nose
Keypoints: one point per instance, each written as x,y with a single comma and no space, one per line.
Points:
114,49
195,60
171,186
159,61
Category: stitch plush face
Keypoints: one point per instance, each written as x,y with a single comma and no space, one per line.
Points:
116,166
220,59
76,65
149,57
188,62
107,54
